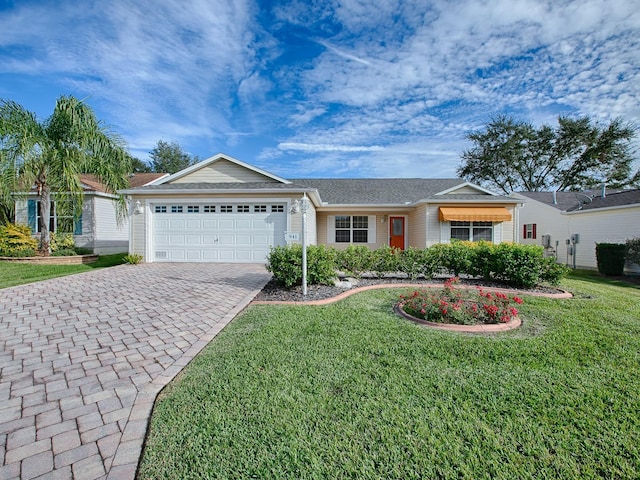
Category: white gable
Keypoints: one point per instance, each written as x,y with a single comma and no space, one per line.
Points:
222,169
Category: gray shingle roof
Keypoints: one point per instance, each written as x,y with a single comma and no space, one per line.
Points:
386,191
346,191
574,201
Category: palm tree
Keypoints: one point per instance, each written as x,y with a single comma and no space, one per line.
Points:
49,157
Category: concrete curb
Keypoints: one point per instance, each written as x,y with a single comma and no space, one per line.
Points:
327,301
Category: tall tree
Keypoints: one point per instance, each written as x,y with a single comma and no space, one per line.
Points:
140,166
513,155
170,158
50,155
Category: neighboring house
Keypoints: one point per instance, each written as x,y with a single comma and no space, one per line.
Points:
569,224
98,228
224,210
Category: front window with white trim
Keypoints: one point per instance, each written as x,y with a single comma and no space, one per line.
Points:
472,231
352,229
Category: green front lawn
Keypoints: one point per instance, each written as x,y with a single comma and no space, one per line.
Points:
352,391
12,273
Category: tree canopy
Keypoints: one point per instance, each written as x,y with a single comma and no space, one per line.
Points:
577,154
49,156
170,158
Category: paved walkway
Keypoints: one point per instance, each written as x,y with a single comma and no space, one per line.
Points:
83,357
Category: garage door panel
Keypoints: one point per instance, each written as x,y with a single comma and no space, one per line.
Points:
208,239
226,255
194,255
193,239
176,240
243,224
225,240
209,224
215,236
261,240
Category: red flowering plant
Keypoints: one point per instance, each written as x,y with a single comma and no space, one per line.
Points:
460,306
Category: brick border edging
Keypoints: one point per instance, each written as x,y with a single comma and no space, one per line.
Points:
327,301
485,328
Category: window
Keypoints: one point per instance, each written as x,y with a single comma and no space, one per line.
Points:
176,209
472,231
160,209
259,208
529,231
193,209
226,208
351,229
61,220
277,208
209,209
243,209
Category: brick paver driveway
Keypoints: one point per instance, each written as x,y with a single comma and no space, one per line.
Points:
83,357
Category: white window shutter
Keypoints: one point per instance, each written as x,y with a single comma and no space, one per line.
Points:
497,232
331,229
445,232
371,236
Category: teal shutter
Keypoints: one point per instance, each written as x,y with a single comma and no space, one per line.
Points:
78,225
32,205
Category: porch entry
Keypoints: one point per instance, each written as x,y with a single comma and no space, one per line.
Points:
396,232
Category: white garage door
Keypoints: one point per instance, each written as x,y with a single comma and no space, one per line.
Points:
216,232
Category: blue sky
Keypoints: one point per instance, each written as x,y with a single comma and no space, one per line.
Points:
342,88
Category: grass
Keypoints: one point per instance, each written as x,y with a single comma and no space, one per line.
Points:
352,391
12,274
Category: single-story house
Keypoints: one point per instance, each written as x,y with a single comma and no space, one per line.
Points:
569,224
98,228
224,210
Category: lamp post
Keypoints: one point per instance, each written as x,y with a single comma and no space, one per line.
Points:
304,205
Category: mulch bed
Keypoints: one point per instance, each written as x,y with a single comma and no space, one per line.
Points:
274,291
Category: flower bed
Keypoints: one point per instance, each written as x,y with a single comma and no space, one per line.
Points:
455,306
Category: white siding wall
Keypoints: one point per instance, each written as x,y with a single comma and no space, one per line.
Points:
223,171
602,226
110,236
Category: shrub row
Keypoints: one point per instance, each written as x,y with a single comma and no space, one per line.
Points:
515,264
17,241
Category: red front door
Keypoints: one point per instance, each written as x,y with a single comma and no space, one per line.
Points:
396,232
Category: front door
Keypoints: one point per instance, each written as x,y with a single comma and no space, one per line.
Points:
396,232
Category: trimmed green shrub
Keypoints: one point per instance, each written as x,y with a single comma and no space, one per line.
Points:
415,262
83,251
552,271
16,241
62,241
386,259
355,260
610,258
285,263
321,264
64,252
483,260
519,265
454,258
632,250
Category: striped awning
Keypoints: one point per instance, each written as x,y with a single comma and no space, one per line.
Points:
474,214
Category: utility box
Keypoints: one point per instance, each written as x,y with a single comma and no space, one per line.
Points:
546,241
575,238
